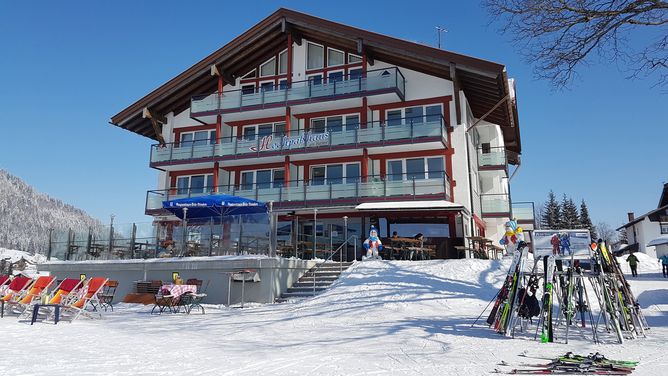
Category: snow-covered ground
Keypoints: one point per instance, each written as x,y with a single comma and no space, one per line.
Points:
380,318
31,261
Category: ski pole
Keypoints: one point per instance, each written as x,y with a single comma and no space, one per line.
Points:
487,306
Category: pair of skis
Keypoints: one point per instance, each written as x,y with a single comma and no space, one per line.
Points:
593,364
499,318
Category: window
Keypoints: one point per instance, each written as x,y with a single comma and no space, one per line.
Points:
283,84
486,148
267,86
251,74
335,123
248,89
335,174
415,169
413,115
394,117
434,113
335,57
314,56
354,59
199,138
249,133
664,228
315,80
268,68
262,179
355,74
335,77
395,170
186,185
283,62
252,131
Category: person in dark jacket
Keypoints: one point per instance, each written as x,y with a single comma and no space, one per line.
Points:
633,263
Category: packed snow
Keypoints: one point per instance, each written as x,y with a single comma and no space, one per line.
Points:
380,318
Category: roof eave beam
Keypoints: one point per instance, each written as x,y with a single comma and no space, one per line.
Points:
156,121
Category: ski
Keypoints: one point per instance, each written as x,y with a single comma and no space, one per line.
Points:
546,315
503,292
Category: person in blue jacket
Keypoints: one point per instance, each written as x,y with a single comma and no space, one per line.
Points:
664,263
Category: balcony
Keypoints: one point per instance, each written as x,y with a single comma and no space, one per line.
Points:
372,134
381,81
300,194
495,205
493,158
525,215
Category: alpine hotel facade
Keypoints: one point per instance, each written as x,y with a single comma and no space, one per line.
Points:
328,121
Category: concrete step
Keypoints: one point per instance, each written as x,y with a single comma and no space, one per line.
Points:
322,273
317,284
306,289
299,294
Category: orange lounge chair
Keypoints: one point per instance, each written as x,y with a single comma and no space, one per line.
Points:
37,290
67,289
16,287
78,305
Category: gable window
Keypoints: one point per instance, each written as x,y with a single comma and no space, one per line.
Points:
354,59
315,56
268,68
186,185
664,228
335,57
283,62
251,74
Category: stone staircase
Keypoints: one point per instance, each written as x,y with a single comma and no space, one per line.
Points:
324,274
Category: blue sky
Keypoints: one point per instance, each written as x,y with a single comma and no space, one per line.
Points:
67,67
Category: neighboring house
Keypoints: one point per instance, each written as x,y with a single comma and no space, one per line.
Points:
648,228
313,114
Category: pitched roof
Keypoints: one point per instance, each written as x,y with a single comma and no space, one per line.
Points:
654,216
484,82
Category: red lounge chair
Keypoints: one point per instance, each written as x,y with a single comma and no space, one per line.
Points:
79,304
37,290
16,287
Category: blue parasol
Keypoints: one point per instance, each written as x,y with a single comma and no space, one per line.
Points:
214,206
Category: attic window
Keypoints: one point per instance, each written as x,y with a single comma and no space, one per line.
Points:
335,57
283,62
385,73
315,56
268,68
354,59
251,74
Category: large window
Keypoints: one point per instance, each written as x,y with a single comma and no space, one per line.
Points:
415,115
283,62
199,138
250,132
415,169
335,57
335,123
194,184
347,173
315,56
268,68
262,179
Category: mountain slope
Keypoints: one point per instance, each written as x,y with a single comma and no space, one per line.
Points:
26,216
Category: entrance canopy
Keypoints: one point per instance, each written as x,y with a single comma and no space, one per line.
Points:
661,240
213,206
411,205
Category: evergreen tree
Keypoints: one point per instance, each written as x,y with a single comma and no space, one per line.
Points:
550,216
623,236
585,220
569,214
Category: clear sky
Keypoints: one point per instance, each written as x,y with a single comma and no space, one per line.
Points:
67,67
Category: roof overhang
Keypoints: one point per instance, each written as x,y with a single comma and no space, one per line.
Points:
483,82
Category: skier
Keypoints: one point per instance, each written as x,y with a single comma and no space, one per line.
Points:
633,263
564,243
373,245
664,263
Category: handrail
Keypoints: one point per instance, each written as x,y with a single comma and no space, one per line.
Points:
340,251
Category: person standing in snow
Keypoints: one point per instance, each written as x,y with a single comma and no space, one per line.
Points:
633,263
664,263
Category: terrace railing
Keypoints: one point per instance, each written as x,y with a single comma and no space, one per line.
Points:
299,193
494,156
495,204
406,130
374,82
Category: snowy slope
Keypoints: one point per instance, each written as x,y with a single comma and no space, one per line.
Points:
380,318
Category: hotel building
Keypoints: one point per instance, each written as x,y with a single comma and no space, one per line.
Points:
328,121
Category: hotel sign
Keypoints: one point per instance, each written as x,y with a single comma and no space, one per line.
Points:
308,139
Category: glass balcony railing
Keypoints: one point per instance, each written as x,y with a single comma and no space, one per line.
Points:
407,130
524,212
378,81
495,204
300,193
492,157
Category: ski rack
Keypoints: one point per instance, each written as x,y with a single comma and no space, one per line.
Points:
570,287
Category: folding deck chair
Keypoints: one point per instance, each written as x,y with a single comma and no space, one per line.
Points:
78,305
107,295
4,282
37,290
65,291
16,287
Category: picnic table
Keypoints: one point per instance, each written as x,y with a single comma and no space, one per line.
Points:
409,249
172,297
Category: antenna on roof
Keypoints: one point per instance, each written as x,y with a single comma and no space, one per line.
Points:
440,30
